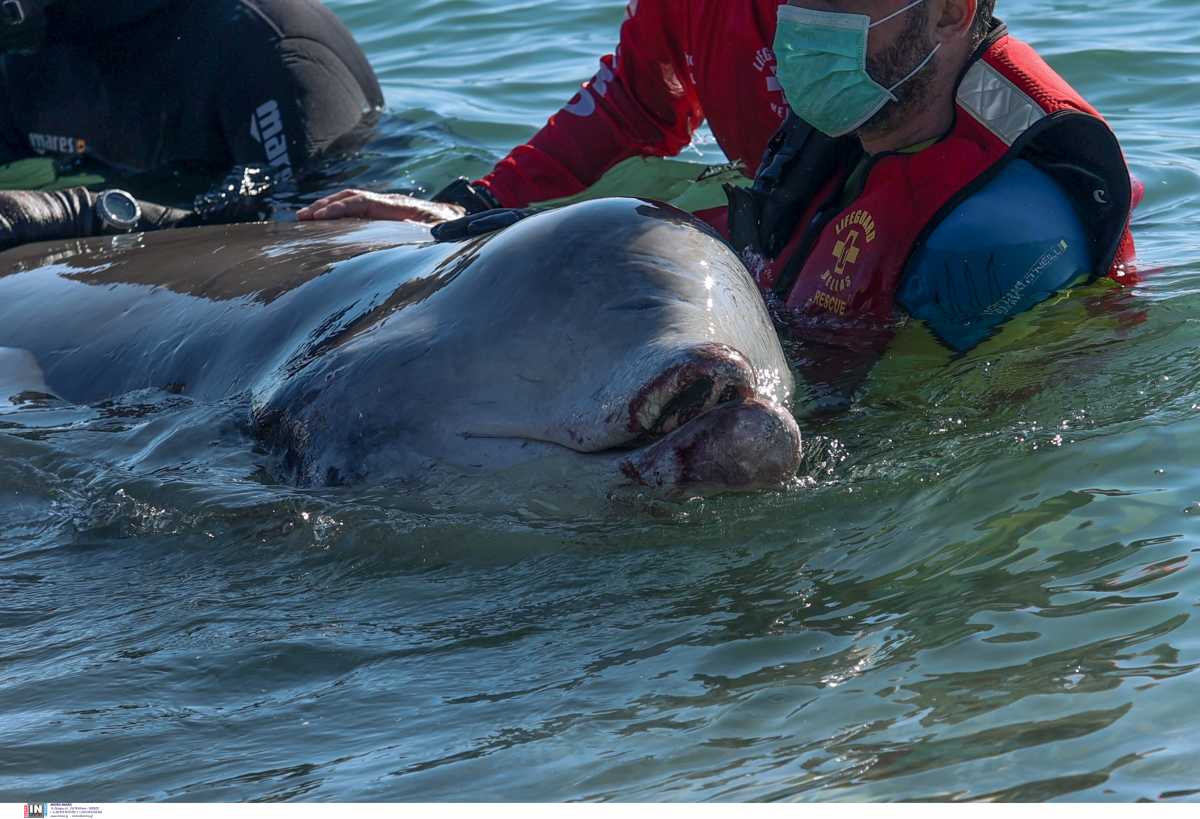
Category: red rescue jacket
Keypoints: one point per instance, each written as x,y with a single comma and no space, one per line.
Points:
849,260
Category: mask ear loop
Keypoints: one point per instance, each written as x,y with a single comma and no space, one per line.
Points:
916,70
924,62
896,13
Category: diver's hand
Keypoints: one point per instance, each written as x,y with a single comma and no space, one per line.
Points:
242,196
477,224
355,204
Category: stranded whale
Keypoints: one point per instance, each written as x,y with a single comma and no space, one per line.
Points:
618,338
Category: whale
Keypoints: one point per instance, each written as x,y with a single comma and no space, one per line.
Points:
617,343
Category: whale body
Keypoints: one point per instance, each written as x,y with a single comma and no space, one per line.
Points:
619,339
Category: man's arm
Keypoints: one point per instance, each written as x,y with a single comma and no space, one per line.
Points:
33,216
641,103
1009,247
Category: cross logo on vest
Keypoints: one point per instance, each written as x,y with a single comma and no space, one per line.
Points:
846,252
854,232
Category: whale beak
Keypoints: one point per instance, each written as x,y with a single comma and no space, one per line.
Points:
707,375
736,446
703,426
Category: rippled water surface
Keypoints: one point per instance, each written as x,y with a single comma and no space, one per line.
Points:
987,589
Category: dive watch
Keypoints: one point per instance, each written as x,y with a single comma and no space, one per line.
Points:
118,210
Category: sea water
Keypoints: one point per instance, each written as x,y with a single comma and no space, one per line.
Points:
987,587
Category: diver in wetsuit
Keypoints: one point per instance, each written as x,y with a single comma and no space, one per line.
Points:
164,86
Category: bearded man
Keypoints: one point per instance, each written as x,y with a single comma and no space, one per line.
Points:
909,155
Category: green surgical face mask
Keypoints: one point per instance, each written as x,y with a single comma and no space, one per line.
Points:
822,66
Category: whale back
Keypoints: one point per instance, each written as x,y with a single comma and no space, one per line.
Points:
206,311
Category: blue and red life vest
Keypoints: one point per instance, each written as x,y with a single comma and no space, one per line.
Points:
848,260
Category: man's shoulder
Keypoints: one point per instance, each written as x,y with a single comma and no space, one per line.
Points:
1020,203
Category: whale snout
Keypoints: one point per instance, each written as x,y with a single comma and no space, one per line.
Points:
702,378
738,445
706,423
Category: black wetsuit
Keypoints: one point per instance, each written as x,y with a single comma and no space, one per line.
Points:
145,86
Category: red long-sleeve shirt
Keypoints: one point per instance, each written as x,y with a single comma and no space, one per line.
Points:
679,62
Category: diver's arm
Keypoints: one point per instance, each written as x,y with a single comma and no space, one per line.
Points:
641,103
1007,248
260,118
35,216
298,98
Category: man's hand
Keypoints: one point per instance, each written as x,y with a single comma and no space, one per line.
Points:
355,204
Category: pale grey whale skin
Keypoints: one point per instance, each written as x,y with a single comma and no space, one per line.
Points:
621,339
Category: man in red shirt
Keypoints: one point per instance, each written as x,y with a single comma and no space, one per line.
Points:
917,126
678,64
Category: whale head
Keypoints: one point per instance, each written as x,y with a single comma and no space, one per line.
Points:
620,338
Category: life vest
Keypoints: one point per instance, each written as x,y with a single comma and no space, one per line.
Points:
848,261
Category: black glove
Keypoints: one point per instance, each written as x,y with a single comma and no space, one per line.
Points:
240,197
478,224
472,198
